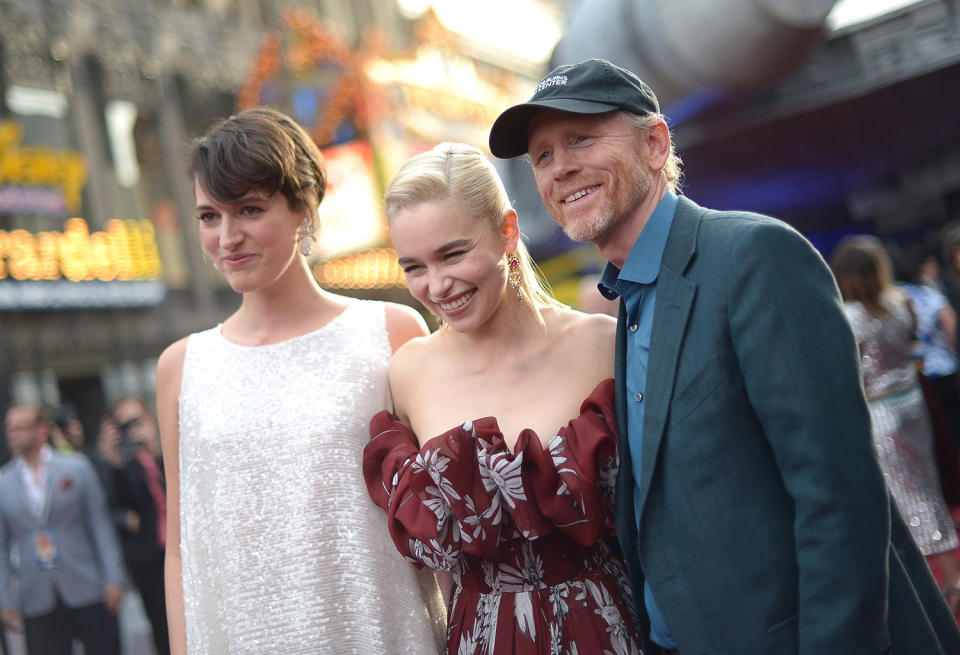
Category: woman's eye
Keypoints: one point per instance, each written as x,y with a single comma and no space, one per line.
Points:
542,156
206,217
454,254
250,210
411,268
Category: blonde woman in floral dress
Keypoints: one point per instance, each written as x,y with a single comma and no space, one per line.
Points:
499,462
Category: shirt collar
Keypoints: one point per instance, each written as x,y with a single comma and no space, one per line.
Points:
643,262
45,454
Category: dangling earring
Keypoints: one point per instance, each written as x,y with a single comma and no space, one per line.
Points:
304,236
514,276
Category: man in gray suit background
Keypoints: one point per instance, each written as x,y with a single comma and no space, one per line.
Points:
68,581
750,507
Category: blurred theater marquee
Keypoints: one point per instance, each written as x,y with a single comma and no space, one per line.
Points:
68,266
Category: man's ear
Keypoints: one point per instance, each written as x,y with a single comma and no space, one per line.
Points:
658,145
510,230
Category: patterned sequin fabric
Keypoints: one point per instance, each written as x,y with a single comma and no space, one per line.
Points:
901,426
283,551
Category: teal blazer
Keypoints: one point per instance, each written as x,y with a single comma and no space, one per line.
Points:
765,520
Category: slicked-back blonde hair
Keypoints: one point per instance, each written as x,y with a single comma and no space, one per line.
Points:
463,174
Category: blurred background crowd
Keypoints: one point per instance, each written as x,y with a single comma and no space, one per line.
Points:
838,116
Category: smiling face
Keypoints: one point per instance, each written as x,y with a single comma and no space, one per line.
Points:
253,242
454,263
591,171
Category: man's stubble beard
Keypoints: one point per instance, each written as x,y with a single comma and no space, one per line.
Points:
592,230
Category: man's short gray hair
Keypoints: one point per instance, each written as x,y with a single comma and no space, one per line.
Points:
673,168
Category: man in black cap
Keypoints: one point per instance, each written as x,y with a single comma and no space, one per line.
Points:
750,507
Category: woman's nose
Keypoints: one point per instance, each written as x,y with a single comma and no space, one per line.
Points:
230,233
439,284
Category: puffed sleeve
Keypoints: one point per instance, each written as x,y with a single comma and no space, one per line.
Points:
419,519
464,491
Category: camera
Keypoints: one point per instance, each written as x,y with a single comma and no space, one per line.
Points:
127,446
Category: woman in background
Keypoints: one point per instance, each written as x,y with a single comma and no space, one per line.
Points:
499,463
884,326
273,544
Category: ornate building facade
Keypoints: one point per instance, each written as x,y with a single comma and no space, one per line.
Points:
99,262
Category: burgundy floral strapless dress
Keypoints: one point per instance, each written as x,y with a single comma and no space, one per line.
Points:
527,534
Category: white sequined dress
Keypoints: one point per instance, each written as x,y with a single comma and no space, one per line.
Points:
283,551
901,425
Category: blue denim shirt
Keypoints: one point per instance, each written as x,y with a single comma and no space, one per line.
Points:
636,284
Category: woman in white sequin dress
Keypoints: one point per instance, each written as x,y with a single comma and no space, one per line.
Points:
884,326
264,419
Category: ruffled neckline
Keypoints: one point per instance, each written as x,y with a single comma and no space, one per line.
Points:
489,426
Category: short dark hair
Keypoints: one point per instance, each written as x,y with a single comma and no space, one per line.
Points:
63,414
259,148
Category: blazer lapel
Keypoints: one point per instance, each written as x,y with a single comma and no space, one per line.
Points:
620,375
625,483
675,294
52,473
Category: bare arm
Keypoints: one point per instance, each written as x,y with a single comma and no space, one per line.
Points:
403,325
169,375
445,583
948,322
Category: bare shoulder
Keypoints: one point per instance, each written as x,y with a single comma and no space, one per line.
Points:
588,329
410,358
169,377
588,338
407,370
403,324
170,363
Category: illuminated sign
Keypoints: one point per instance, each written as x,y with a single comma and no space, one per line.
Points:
76,268
126,250
118,267
63,294
373,269
350,213
37,166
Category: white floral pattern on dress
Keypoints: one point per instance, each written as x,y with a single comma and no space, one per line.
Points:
525,532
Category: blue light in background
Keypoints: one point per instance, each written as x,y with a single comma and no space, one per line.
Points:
777,191
690,105
305,105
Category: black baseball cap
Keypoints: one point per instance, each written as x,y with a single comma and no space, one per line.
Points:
594,86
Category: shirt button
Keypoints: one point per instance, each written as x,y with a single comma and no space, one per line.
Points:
639,397
633,327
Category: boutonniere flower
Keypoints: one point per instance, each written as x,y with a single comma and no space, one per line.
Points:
65,483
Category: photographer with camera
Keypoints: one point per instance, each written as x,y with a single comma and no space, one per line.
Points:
132,472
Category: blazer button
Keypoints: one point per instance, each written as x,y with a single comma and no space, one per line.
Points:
633,327
639,397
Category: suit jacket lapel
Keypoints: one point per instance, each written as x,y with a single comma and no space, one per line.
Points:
625,482
52,473
675,295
